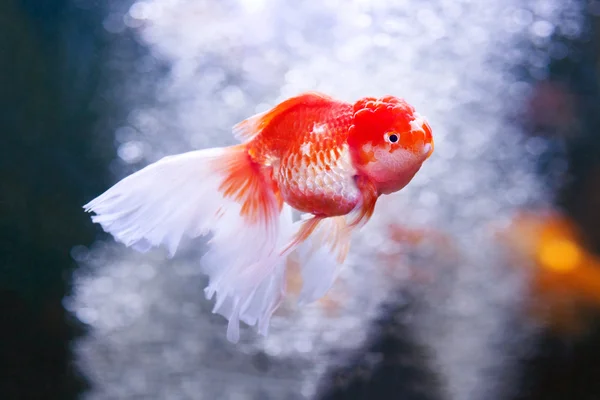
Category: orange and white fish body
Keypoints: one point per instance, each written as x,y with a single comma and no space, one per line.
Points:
328,159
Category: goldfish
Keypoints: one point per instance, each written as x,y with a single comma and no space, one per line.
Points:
303,176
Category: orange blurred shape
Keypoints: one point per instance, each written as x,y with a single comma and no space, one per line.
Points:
566,276
407,239
443,243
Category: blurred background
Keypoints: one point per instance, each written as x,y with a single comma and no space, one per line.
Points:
480,281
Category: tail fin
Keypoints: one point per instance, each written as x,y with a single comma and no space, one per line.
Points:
213,190
161,203
185,195
222,191
252,286
249,286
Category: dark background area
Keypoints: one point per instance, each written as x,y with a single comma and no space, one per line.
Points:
52,162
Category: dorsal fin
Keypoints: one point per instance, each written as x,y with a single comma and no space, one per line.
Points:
250,127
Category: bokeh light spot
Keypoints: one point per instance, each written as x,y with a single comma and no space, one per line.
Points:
559,255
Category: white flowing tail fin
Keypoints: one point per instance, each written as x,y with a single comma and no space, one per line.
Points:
249,286
252,286
158,205
213,190
223,191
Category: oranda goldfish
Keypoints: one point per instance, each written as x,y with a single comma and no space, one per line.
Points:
328,159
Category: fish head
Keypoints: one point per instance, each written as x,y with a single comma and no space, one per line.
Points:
388,141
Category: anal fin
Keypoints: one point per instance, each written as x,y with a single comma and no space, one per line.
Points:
322,255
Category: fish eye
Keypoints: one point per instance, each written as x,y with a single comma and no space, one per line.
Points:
393,138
